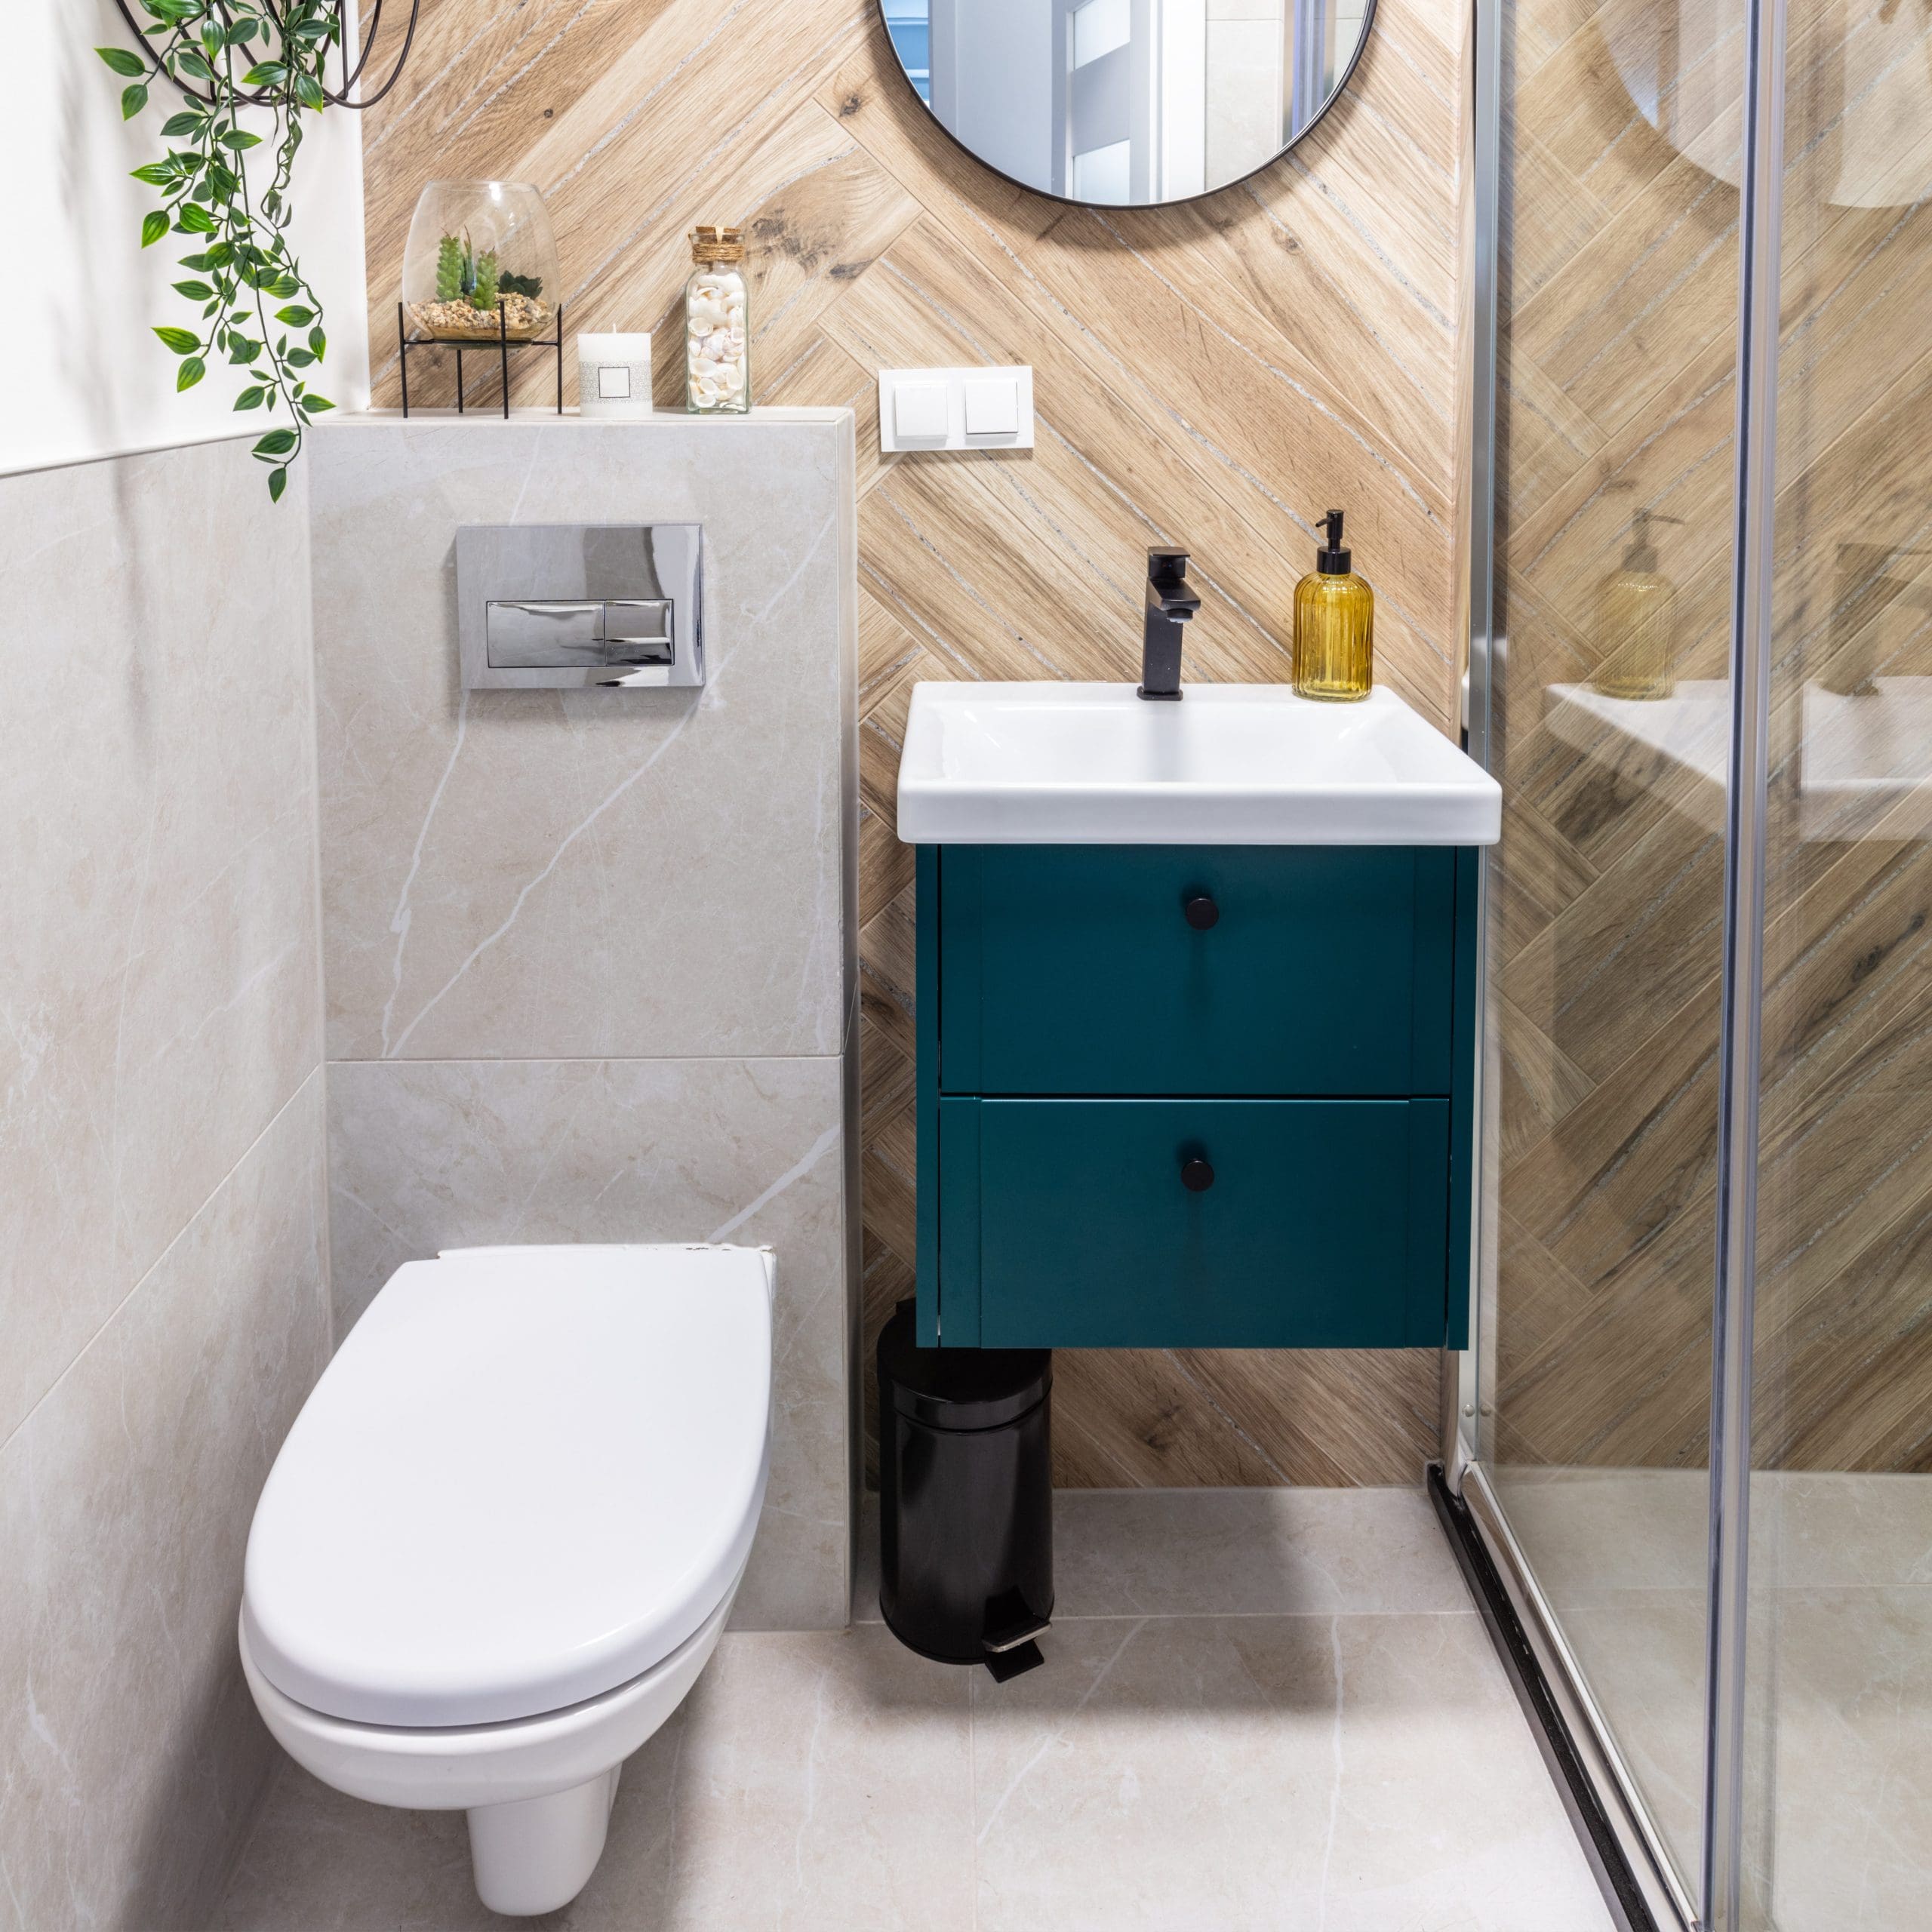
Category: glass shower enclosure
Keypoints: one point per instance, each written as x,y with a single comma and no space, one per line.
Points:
1695,1422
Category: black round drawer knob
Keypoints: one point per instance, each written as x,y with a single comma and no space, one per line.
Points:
1196,1175
1201,913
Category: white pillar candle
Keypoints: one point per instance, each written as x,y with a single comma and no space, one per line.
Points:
613,374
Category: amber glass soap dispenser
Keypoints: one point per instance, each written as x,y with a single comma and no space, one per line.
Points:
1335,624
1637,620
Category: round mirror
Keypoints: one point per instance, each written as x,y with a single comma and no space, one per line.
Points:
1127,103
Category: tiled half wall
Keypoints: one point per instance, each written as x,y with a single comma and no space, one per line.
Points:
590,957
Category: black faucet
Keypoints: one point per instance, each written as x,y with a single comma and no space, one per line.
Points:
1170,604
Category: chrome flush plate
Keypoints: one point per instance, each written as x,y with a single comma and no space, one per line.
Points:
567,606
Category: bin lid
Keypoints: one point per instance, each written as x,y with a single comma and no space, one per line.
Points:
958,1387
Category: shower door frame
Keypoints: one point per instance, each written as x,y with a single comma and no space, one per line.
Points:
1614,1822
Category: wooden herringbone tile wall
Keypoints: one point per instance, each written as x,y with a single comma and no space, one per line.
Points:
1214,376
1621,322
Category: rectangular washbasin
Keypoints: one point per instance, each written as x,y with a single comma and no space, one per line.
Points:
1051,764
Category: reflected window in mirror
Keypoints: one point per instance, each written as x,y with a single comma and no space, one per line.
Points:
1127,103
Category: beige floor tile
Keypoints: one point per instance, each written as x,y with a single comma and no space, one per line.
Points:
1168,1774
1841,1825
1180,1552
825,1783
1176,1552
1591,1533
1308,1772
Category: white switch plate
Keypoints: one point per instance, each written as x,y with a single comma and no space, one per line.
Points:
984,409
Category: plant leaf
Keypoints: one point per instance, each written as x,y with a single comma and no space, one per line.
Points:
132,99
195,220
276,442
237,140
295,315
192,371
155,174
308,92
278,482
266,74
249,398
154,225
178,127
129,65
312,401
191,62
195,291
183,341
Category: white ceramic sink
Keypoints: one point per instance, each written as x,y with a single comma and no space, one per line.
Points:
1049,763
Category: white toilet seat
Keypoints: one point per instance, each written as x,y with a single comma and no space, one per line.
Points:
528,1475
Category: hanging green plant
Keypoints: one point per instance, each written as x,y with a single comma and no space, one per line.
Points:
258,311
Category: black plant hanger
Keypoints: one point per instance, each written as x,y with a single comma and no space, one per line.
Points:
350,75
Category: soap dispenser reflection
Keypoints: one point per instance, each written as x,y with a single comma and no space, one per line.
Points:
1637,620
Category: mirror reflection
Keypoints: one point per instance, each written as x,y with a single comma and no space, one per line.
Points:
1127,103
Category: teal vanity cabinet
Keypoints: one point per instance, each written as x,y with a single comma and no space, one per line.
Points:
1194,1096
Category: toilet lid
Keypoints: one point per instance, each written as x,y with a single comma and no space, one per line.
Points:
528,1474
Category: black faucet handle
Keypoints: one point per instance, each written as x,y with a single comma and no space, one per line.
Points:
1168,585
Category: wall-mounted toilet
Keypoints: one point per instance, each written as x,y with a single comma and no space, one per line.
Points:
504,1534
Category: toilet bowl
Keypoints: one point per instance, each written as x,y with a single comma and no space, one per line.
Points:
503,1537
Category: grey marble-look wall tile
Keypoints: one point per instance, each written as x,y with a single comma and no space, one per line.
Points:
159,960
131,1759
595,873
429,1155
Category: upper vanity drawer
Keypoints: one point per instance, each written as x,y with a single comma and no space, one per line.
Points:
1175,969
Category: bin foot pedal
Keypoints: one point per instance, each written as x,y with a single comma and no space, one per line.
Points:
1009,1641
1003,1665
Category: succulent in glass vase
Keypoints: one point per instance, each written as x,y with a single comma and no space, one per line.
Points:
480,263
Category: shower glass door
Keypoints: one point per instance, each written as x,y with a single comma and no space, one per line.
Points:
1616,341
1698,1411
1837,1793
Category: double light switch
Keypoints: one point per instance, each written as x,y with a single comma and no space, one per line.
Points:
955,409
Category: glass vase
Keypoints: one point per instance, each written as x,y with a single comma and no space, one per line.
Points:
481,263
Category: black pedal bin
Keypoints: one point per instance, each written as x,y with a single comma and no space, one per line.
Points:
966,1499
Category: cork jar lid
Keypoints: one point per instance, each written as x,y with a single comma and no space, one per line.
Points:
718,244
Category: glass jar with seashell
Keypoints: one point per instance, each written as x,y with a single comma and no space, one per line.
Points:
718,363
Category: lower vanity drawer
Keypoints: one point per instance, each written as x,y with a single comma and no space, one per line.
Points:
1192,1223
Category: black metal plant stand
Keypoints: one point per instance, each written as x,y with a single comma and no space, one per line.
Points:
503,345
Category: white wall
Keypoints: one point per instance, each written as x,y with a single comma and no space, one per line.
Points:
83,376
